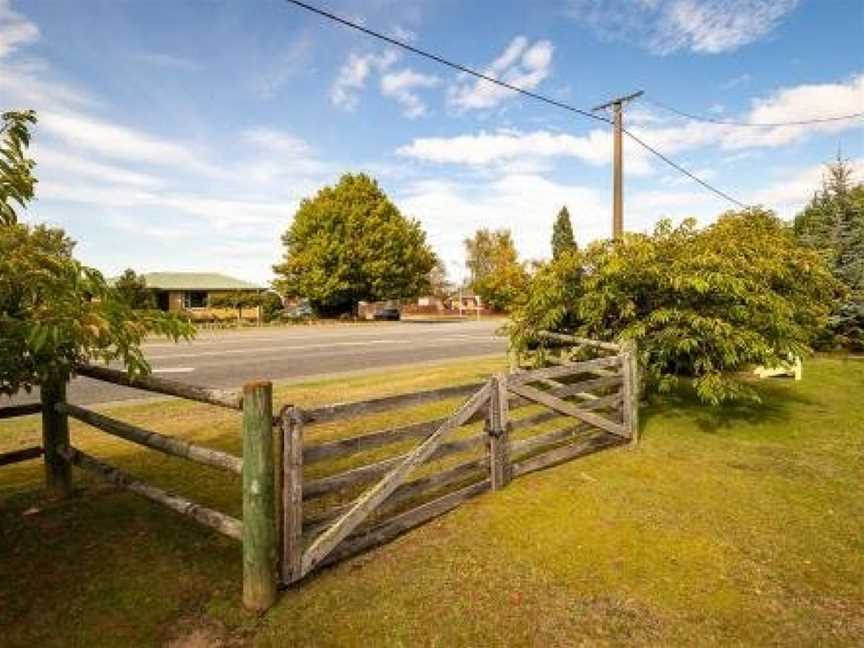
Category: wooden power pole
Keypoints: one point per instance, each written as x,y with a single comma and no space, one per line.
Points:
617,106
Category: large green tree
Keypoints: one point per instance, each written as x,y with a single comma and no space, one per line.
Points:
351,243
562,234
55,312
497,276
833,222
702,303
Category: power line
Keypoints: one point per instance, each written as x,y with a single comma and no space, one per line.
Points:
677,166
462,68
444,61
803,122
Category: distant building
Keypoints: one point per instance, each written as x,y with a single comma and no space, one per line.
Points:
464,300
192,292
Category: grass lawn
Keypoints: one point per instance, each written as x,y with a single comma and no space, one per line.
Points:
743,525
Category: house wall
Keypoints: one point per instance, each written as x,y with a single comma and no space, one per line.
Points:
175,305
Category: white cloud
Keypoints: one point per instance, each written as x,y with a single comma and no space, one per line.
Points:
521,64
353,75
117,142
526,204
405,35
25,84
15,29
787,104
505,146
400,85
279,154
62,164
794,188
667,26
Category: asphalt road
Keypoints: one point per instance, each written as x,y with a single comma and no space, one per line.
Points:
229,358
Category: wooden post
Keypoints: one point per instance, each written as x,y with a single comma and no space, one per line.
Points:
630,387
291,496
497,427
55,438
259,505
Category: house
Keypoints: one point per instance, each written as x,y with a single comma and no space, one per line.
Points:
464,299
192,292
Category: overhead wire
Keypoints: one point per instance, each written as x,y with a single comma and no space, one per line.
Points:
533,95
728,122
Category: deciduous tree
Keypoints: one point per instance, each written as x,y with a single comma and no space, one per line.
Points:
496,274
351,243
702,303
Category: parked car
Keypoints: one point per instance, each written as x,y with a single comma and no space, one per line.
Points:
301,311
391,314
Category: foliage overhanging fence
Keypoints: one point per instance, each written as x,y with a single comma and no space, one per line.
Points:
310,504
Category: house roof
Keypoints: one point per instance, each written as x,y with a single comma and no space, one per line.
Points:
195,281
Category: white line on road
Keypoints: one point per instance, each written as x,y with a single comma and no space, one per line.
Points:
248,350
174,370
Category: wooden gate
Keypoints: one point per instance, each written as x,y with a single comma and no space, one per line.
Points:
298,562
594,399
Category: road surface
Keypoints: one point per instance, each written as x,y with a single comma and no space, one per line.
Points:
229,358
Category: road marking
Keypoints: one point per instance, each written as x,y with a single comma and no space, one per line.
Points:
247,350
174,370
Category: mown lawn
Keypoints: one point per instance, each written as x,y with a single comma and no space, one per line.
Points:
743,525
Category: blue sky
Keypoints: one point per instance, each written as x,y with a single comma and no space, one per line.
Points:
182,135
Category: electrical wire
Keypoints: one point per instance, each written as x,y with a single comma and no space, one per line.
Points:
803,122
447,62
558,104
687,173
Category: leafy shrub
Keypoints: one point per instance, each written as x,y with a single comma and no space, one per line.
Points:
55,312
700,303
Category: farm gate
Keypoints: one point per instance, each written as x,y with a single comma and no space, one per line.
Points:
312,497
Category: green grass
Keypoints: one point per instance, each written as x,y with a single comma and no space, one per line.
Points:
743,525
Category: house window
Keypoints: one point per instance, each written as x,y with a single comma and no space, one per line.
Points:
195,299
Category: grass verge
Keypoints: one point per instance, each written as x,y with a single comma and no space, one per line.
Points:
740,525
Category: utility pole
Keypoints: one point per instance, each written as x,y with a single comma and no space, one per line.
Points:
617,106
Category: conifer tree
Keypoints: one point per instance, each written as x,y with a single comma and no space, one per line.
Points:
562,234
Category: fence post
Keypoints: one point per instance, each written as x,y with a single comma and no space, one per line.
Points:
55,436
630,404
259,506
497,430
291,496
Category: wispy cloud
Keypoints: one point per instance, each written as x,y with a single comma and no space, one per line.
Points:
667,26
401,85
15,29
521,64
791,191
167,61
734,82
353,75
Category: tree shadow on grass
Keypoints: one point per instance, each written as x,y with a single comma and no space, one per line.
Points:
777,401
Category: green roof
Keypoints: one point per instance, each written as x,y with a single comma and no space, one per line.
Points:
195,281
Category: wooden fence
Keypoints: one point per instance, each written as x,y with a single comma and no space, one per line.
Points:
531,419
256,530
309,503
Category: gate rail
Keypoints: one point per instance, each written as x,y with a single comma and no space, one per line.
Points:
377,499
